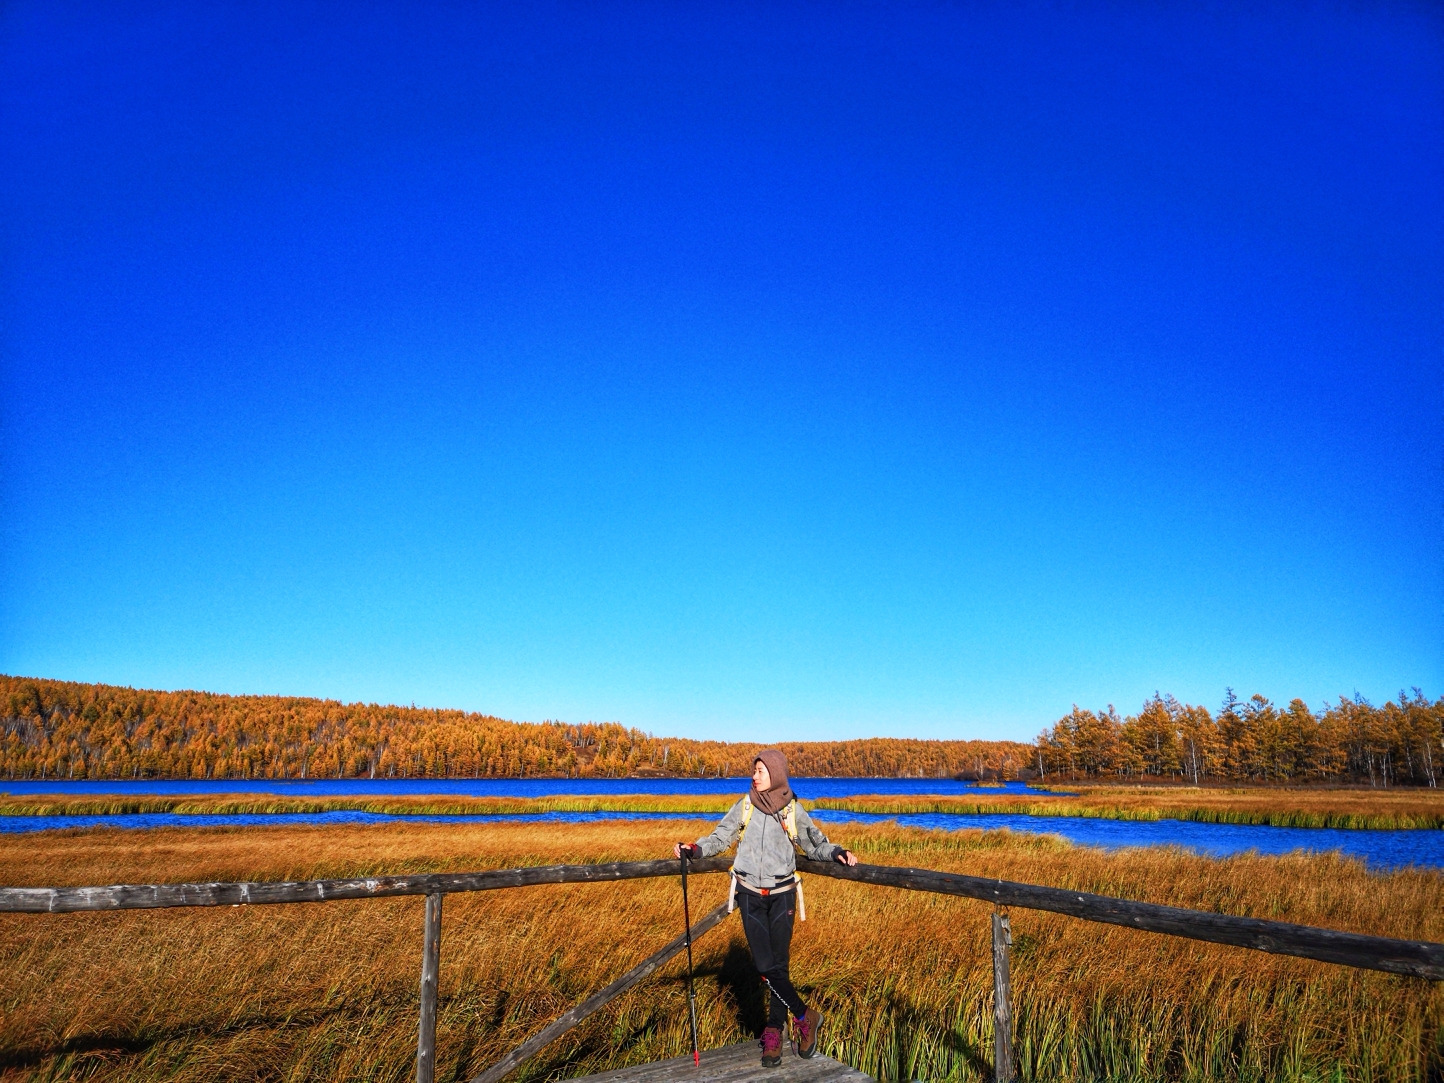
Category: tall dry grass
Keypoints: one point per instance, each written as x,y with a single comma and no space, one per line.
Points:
329,991
1383,809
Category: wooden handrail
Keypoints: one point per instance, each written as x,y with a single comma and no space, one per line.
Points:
65,900
1419,958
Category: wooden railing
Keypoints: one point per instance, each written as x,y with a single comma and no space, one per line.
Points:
65,900
1421,959
434,886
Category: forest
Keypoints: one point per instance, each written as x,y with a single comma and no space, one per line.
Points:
60,729
67,730
1253,740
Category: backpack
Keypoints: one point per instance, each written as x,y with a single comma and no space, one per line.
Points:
788,818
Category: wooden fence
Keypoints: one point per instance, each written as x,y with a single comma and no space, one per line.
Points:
1416,958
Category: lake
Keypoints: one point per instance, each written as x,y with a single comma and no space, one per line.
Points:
507,787
1381,850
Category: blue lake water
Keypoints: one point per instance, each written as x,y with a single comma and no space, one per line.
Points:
504,787
1381,850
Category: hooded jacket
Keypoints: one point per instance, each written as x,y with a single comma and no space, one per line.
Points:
765,857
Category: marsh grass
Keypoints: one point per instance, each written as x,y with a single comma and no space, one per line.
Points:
329,991
1337,808
401,805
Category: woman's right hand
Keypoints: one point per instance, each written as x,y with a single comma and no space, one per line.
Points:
691,848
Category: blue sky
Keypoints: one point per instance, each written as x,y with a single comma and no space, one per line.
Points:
754,371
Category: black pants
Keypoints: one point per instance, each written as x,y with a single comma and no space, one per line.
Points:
767,921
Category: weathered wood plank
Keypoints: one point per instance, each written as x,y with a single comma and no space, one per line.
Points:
739,1063
430,972
1419,958
62,900
570,1018
1002,1001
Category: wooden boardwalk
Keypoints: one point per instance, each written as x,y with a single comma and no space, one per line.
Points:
740,1063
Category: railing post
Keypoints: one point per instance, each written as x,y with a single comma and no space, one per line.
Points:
430,964
1002,999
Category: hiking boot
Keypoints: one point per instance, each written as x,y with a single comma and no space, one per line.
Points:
771,1047
806,1030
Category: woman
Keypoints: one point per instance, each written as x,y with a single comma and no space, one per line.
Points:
770,820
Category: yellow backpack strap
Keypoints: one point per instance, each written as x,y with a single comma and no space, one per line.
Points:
789,819
732,872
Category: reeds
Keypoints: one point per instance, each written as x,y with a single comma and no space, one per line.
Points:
329,991
398,805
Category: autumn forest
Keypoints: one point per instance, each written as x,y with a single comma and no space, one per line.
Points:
67,730
58,729
1253,740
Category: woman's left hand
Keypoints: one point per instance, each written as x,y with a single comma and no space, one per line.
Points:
846,857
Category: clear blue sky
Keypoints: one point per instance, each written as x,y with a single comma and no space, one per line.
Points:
784,370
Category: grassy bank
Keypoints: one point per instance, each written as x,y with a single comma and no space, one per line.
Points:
329,991
1381,809
418,805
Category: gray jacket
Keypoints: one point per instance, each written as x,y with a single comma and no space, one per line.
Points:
765,855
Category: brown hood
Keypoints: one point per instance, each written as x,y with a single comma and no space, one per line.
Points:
775,799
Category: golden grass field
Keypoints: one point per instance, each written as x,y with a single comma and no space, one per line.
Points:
1409,808
329,991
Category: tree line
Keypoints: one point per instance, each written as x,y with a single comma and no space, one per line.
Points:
68,730
1253,740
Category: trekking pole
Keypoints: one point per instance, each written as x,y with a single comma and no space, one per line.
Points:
691,994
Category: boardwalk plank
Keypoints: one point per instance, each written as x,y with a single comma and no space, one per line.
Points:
741,1063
